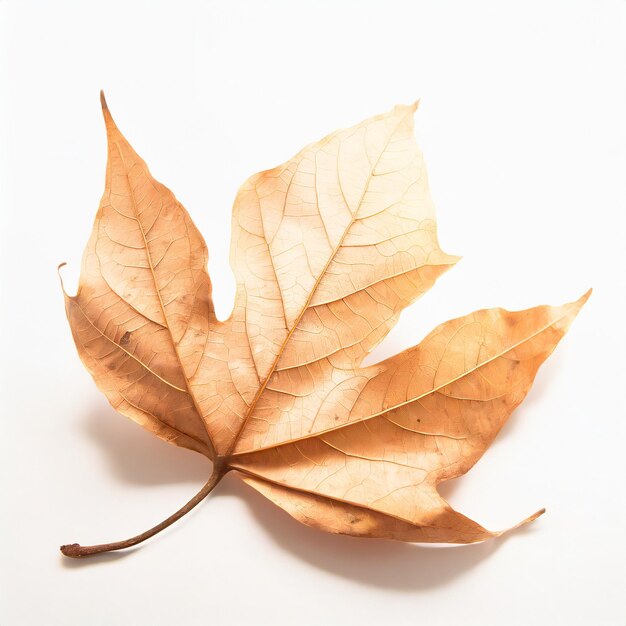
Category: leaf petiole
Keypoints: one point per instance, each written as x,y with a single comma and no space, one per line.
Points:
76,551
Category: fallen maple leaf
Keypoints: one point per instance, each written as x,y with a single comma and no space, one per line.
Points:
327,249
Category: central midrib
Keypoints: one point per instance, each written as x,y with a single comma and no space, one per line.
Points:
313,290
410,401
158,292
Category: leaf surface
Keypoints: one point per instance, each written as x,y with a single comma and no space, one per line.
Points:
327,250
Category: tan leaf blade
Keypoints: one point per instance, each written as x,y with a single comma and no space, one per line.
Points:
143,307
426,417
327,250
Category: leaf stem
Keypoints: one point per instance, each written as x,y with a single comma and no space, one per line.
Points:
76,551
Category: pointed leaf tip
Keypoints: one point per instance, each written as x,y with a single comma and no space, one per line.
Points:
578,304
534,516
528,520
108,118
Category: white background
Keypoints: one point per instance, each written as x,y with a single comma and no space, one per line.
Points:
522,125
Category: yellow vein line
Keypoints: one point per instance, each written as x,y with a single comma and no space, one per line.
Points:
309,492
370,458
163,422
130,354
384,279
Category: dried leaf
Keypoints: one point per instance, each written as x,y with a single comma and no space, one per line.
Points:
327,250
